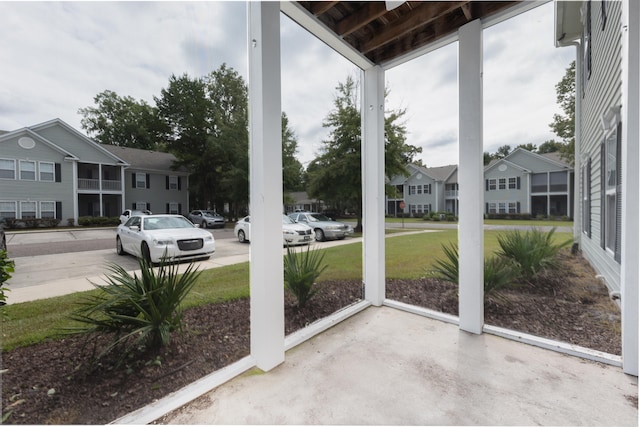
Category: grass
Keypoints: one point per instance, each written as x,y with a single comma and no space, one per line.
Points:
507,222
407,257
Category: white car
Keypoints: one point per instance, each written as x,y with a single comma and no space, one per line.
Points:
292,232
124,217
153,237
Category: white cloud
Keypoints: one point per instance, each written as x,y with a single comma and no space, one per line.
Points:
58,56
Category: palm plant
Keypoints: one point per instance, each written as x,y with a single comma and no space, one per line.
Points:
140,311
499,273
533,250
300,273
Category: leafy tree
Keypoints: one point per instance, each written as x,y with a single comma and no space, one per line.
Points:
550,146
122,121
502,152
529,147
487,158
292,169
563,125
335,176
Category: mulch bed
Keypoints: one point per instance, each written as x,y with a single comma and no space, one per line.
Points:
55,382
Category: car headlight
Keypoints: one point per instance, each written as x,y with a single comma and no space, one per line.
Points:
333,227
162,242
208,238
289,232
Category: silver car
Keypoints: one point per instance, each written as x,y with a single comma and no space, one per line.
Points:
206,218
324,227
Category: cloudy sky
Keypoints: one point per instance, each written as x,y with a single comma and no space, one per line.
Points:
57,56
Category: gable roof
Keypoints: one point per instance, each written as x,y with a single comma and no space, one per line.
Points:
553,158
146,159
31,134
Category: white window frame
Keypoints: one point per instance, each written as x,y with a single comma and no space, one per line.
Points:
611,184
41,172
493,208
13,169
47,206
25,206
493,184
512,207
502,183
502,207
22,165
141,206
174,208
141,178
512,183
412,190
4,204
173,182
419,189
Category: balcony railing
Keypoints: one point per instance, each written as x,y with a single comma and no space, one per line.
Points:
94,184
451,193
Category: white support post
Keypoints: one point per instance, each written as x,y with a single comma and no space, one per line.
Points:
629,268
373,185
265,205
470,174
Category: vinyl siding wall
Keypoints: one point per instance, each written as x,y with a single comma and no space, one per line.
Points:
601,92
156,195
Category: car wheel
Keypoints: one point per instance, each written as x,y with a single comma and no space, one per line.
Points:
119,248
146,254
241,237
203,225
341,238
319,235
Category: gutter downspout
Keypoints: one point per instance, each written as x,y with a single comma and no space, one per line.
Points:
577,134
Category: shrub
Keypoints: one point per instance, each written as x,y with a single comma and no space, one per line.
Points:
16,223
6,268
533,250
499,273
138,311
426,217
300,273
98,221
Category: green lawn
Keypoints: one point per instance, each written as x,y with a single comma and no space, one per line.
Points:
529,222
407,256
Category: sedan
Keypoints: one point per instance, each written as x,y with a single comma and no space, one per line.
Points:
131,212
292,233
154,237
324,227
206,219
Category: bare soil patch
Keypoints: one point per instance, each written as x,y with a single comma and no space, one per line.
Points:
55,382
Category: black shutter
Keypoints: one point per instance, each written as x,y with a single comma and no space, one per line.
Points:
133,205
167,209
518,183
179,183
518,205
167,182
58,172
148,182
180,208
587,217
133,180
58,210
486,185
149,206
486,208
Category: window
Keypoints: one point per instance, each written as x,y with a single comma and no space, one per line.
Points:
7,169
513,207
174,208
8,210
47,171
140,206
427,189
28,210
612,193
586,198
419,188
141,180
512,183
586,41
47,209
491,208
539,183
557,181
502,207
27,170
412,190
173,183
491,184
502,183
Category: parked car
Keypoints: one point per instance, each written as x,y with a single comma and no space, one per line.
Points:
206,218
324,227
153,237
292,233
130,212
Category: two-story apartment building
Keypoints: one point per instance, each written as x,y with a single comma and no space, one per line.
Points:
51,170
522,182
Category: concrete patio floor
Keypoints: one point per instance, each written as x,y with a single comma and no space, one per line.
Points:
385,366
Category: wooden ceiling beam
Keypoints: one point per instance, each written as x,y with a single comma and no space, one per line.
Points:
466,9
421,16
320,7
363,16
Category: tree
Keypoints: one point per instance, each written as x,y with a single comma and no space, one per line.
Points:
292,169
335,176
550,146
122,121
502,152
563,125
487,158
529,147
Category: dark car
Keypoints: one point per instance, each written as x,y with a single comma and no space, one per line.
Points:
206,218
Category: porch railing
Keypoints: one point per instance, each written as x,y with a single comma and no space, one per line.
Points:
94,184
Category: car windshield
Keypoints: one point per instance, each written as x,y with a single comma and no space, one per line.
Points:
318,217
166,222
210,214
287,220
